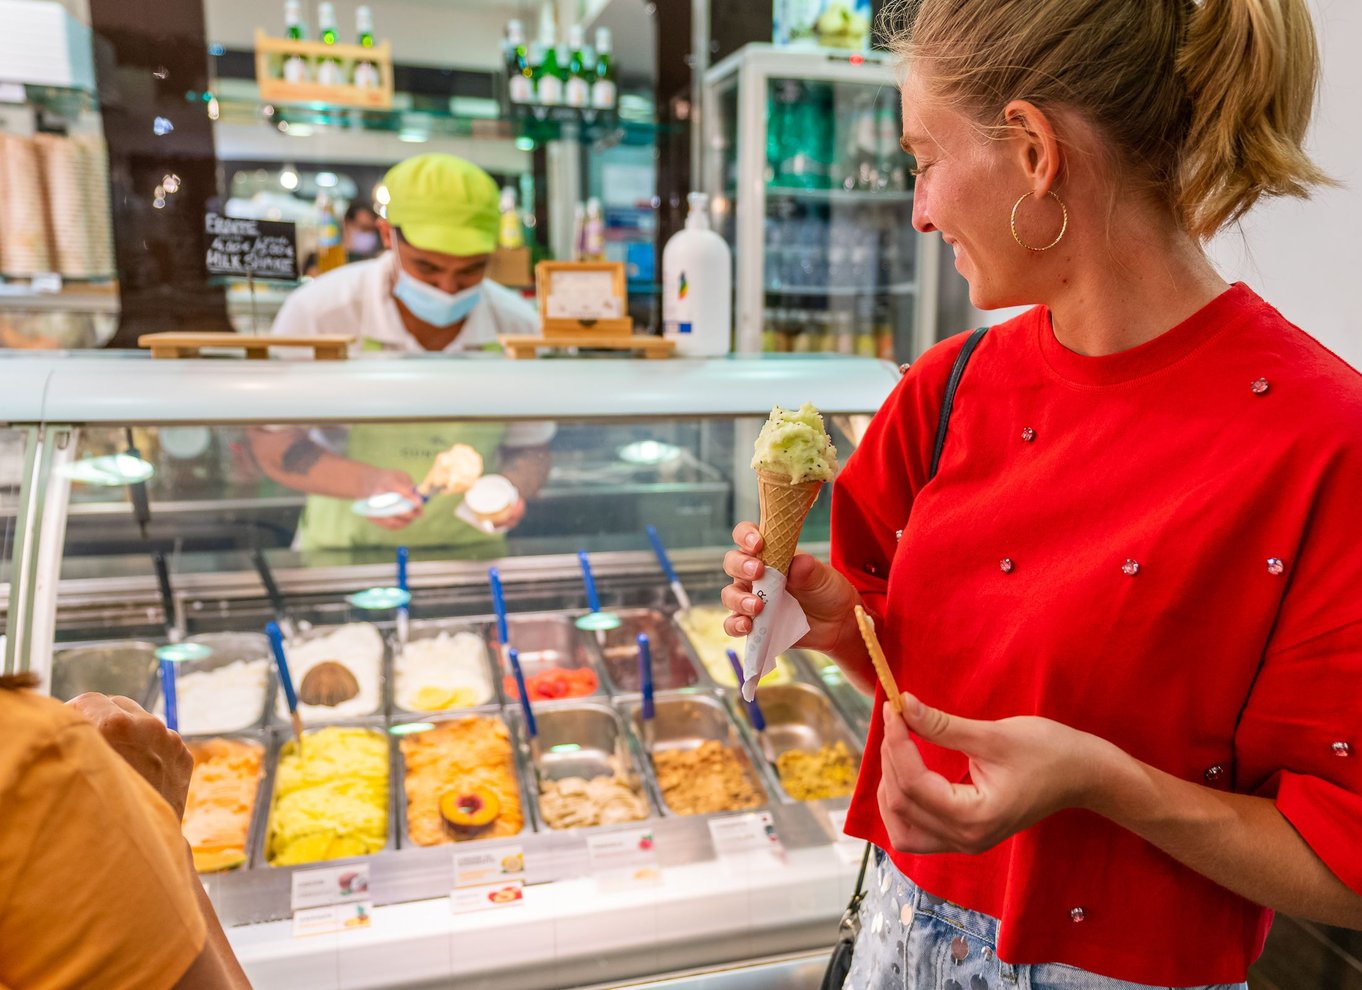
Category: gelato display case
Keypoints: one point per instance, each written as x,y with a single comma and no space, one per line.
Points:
479,843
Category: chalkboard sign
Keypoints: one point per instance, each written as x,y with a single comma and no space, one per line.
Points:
261,248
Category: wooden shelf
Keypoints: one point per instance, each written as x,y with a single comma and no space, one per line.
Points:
523,348
270,54
189,345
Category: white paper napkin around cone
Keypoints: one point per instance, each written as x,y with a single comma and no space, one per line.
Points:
781,623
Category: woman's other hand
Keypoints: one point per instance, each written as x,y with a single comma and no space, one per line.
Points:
827,598
142,740
1022,770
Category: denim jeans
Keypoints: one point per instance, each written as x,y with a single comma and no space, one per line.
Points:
911,940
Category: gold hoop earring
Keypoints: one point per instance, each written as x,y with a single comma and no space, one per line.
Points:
1062,230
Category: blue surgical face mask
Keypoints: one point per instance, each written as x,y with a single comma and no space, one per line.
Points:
431,305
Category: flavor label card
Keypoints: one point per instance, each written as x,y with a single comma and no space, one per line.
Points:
333,885
742,836
625,859
487,897
332,918
500,866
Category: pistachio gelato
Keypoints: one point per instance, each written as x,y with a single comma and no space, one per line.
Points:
796,444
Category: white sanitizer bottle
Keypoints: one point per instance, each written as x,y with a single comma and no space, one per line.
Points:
697,286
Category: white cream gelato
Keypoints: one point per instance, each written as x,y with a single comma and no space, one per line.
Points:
358,647
229,698
443,672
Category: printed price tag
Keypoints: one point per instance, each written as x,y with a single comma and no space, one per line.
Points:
333,918
741,836
487,897
500,866
333,885
624,859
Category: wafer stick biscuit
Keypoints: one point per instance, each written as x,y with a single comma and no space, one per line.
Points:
872,645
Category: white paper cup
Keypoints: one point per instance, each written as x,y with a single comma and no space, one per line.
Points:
492,499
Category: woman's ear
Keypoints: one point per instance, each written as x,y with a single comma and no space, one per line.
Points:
1034,145
385,234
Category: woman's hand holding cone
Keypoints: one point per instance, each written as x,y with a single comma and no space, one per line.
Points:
827,598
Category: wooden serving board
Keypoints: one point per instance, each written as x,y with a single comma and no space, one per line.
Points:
257,348
521,348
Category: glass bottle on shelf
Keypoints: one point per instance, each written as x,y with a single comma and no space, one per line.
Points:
329,68
330,242
593,232
366,72
892,164
519,75
295,66
604,92
511,233
577,92
551,76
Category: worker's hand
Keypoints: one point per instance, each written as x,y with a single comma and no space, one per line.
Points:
382,481
143,741
1021,770
514,517
826,596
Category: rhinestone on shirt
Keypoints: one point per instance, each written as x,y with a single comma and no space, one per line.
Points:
903,369
1275,566
1077,915
1342,749
1006,565
1029,435
1130,568
898,534
1215,774
1260,387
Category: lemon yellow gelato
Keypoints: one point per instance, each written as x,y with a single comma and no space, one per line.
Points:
333,801
704,626
796,444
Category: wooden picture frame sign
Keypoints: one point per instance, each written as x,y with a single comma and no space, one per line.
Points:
578,297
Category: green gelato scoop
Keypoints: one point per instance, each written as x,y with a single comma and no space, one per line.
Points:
796,444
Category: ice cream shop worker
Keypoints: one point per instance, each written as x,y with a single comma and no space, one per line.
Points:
426,293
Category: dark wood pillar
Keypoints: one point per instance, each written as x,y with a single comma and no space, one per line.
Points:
151,67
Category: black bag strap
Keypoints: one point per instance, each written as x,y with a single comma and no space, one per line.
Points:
948,401
943,422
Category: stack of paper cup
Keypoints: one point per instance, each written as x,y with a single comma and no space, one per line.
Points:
75,181
23,221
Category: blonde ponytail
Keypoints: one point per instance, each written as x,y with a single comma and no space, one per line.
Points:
1203,102
1251,68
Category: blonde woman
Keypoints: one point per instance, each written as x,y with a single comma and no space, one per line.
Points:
1128,608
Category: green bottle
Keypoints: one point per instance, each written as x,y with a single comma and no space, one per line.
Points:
578,91
519,75
367,75
329,69
295,66
603,90
551,76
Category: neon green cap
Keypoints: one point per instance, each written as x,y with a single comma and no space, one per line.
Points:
445,204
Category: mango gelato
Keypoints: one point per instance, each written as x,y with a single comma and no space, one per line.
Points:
704,626
442,672
222,791
461,782
796,444
707,779
829,772
333,801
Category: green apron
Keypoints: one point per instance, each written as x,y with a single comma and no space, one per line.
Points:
331,523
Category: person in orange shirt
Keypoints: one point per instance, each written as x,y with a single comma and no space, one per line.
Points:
97,888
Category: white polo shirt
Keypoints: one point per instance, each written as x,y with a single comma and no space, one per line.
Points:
356,300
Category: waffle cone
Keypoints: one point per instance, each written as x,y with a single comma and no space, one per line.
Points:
784,506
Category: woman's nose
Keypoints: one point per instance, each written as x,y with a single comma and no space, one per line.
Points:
922,221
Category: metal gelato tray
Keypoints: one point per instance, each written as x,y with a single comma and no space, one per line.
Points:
227,648
279,737
855,707
124,667
432,628
519,770
587,740
259,805
543,641
800,717
674,664
685,722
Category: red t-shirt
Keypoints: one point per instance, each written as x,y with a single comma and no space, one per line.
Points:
1160,547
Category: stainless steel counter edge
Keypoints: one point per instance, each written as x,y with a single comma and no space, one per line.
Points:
131,388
